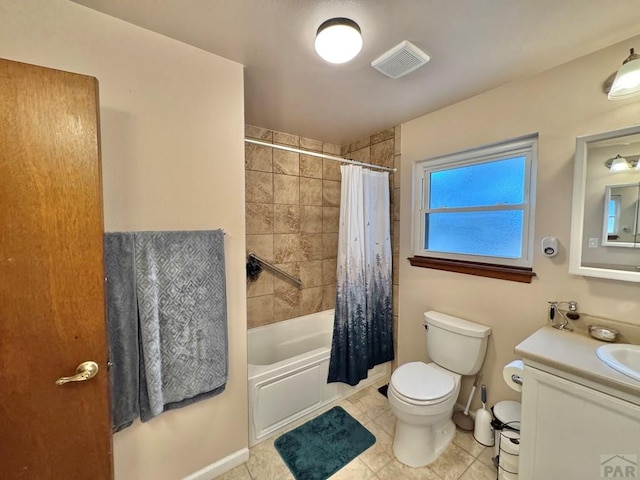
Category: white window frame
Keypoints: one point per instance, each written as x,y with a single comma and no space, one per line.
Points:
522,146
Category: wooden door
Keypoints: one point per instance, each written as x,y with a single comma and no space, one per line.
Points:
52,311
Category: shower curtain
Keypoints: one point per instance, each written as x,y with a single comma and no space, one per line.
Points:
363,324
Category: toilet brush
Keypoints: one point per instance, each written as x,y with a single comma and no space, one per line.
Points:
462,419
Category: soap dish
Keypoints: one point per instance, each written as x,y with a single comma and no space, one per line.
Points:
600,332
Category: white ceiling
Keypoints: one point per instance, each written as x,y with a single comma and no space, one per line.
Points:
475,45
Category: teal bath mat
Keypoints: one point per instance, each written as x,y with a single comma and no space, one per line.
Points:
322,446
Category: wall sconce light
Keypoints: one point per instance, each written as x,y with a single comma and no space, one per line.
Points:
625,83
338,40
622,164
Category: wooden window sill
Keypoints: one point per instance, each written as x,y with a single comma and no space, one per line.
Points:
503,272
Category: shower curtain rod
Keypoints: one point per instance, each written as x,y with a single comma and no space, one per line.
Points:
314,154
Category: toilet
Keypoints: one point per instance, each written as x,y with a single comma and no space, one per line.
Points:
422,395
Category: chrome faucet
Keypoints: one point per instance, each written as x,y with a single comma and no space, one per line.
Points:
572,313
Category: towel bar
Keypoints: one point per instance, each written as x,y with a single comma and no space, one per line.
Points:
273,268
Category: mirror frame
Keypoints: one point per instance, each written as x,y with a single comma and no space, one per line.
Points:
577,211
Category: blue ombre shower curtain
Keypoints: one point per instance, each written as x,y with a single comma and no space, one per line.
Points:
363,324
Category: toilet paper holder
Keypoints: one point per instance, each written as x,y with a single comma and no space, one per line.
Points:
512,373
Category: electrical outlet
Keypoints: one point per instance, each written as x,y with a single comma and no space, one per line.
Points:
593,243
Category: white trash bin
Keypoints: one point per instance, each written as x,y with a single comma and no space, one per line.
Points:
505,413
509,456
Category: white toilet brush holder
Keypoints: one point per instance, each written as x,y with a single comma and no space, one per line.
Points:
483,431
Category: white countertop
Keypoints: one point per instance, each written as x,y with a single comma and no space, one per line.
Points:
574,353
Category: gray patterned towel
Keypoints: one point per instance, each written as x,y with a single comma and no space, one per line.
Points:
180,284
122,328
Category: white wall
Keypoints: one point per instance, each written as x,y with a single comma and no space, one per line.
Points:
173,158
560,104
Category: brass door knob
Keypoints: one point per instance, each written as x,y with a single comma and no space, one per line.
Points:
85,371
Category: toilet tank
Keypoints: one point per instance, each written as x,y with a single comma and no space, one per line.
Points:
456,344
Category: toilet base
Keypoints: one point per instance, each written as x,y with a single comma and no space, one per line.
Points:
420,445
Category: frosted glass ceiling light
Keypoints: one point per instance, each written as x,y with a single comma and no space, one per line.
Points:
338,40
627,81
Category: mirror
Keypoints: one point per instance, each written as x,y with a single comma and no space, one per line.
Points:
621,224
606,198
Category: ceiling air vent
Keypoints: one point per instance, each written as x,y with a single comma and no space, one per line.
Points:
402,59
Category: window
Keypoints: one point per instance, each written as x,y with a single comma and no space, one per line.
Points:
613,214
475,209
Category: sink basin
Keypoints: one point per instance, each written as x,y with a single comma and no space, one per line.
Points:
622,357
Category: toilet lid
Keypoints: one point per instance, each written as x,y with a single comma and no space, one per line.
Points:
420,381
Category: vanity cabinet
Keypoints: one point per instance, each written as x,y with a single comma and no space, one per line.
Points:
575,432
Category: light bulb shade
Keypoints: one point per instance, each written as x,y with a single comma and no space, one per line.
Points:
627,81
338,40
619,164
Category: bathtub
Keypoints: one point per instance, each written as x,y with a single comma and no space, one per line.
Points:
288,367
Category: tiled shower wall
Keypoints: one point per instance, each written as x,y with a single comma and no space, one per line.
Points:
292,213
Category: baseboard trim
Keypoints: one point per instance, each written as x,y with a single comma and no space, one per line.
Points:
221,466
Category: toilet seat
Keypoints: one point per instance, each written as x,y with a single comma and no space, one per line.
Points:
419,383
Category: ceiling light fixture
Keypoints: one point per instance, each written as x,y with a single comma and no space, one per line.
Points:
622,164
338,40
625,83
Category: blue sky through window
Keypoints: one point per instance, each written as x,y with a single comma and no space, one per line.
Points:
484,184
476,205
611,217
490,234
486,233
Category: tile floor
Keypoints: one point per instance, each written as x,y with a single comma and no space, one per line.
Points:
464,459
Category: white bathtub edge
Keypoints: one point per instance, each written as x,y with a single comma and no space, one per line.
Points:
221,466
256,372
375,374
